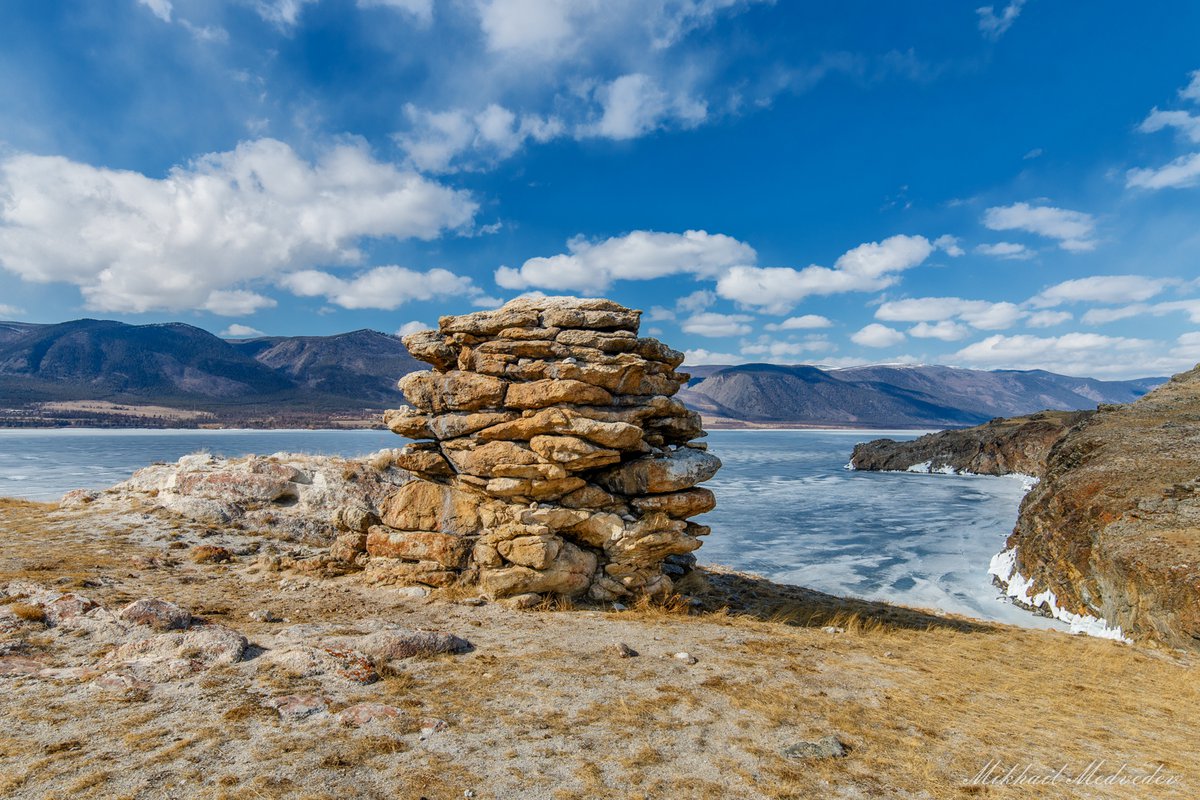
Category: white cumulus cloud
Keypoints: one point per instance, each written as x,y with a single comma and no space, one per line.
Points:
699,356
876,335
635,104
1010,250
696,301
781,351
1187,124
1182,173
949,244
800,323
1100,289
237,331
445,141
1083,354
946,330
1187,347
868,267
382,287
981,314
1048,319
592,266
712,324
236,302
1071,229
1101,316
1192,90
136,243
414,326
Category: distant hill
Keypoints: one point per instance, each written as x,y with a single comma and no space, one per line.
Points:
13,330
362,364
68,373
809,395
894,396
269,381
1003,393
109,359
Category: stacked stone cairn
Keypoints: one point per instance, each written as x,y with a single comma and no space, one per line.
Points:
553,458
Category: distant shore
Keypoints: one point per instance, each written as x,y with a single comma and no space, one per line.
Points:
97,414
344,425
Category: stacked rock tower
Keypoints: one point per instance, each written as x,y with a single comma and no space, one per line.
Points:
553,460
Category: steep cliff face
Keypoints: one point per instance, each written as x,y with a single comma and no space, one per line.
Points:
999,447
1112,531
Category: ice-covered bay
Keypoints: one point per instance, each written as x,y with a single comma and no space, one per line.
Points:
786,507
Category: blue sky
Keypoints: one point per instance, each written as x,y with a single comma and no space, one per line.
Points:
1007,186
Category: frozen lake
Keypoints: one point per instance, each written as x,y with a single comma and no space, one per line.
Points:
787,509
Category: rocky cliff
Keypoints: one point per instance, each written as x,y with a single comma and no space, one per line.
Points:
1110,537
999,447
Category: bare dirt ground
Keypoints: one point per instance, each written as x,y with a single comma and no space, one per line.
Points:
542,706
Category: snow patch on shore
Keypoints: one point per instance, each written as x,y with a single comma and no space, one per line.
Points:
1019,588
927,468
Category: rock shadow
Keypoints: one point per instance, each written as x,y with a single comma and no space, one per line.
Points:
718,588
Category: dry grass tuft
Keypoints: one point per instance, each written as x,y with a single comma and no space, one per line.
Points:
555,602
210,554
28,612
28,505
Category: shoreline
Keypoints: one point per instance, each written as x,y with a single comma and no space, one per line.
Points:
1036,619
219,429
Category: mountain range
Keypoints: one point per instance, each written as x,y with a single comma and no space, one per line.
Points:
892,395
47,371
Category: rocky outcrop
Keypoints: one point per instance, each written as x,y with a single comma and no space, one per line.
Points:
1000,447
553,459
314,500
1110,537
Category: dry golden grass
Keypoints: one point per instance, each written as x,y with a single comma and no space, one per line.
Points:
923,701
8,503
27,612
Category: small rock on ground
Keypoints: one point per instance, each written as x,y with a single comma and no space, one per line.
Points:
623,650
297,706
366,713
156,614
825,747
430,726
523,600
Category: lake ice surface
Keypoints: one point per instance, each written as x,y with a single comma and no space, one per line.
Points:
787,509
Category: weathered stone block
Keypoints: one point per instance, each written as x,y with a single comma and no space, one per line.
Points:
424,506
572,453
443,548
540,394
655,474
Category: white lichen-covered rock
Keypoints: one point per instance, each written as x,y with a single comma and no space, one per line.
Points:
295,497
